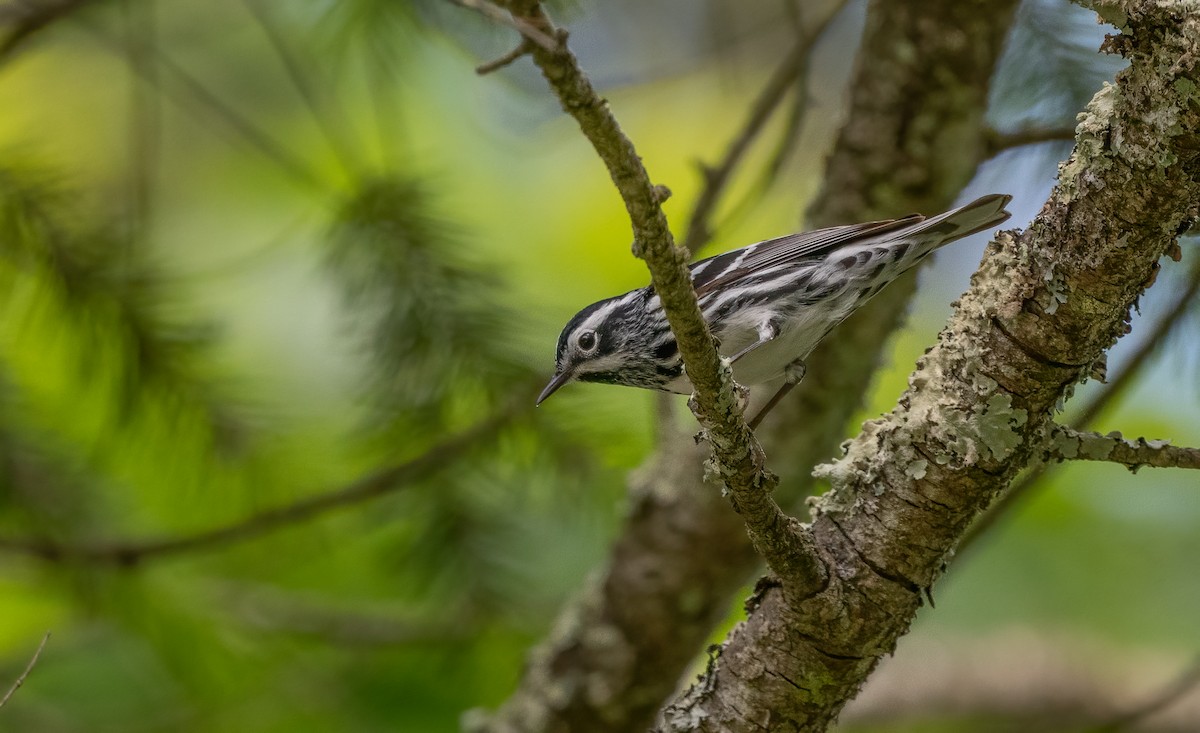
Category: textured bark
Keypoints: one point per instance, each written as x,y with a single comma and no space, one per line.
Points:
680,530
1044,306
914,136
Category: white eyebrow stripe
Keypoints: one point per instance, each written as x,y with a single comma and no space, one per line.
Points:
602,313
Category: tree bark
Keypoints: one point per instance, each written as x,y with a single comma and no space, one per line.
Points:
1041,310
618,650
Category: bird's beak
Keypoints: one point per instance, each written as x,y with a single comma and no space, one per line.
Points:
559,380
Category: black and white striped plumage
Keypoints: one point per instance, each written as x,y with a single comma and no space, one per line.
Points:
768,304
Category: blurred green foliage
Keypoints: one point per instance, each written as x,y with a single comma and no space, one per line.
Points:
251,252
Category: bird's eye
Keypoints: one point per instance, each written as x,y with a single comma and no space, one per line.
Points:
587,341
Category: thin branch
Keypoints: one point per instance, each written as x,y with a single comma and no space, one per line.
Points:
28,668
524,47
323,114
793,68
1112,393
997,142
738,458
382,482
497,14
1068,444
187,89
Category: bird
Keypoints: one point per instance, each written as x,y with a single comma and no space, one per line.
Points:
768,304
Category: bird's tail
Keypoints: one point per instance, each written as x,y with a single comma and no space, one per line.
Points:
981,214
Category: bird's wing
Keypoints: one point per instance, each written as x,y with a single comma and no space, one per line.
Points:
715,272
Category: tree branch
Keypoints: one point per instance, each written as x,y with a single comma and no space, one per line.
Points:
379,483
618,649
1041,310
28,668
737,457
1111,393
997,142
520,50
1068,444
793,68
496,14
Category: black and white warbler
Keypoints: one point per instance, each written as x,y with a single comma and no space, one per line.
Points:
768,304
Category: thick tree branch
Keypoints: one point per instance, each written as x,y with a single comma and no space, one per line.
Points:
1042,309
379,483
737,457
618,649
1068,444
1111,393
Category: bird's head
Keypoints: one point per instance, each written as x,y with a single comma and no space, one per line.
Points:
610,342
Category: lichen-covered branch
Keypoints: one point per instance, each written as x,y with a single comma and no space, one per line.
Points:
618,649
737,457
1068,444
1042,309
1110,394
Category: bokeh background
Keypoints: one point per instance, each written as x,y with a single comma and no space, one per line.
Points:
253,253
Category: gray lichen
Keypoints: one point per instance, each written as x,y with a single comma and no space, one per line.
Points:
1092,135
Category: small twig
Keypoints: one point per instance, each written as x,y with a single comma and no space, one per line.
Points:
1069,444
997,142
521,25
28,668
379,483
792,69
794,65
524,47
